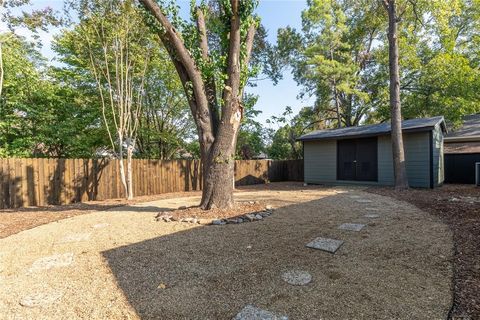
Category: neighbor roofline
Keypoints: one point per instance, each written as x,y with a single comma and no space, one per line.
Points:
462,139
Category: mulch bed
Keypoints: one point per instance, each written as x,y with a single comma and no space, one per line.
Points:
459,207
216,213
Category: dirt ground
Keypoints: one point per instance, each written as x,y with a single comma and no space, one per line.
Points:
459,207
398,266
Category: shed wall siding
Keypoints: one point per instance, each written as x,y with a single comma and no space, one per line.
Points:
320,159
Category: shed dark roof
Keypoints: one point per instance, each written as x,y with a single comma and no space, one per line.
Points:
424,124
470,129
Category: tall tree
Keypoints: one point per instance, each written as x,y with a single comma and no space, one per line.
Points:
115,47
33,20
331,55
399,167
212,61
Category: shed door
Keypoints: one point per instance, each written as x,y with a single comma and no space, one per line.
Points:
357,159
346,160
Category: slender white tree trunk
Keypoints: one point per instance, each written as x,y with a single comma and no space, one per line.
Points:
130,148
122,166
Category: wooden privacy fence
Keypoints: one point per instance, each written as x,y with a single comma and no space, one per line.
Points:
38,182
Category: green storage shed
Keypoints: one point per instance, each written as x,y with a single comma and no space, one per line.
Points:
363,154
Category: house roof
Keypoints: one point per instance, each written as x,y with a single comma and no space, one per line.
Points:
413,125
469,131
462,147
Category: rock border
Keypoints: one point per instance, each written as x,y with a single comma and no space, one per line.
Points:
248,217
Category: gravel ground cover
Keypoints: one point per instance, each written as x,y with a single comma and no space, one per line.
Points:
132,267
15,220
459,207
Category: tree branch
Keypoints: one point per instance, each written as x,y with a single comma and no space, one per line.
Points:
188,72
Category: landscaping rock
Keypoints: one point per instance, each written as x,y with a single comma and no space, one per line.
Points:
269,207
250,312
297,277
218,222
325,244
182,207
232,221
250,217
258,217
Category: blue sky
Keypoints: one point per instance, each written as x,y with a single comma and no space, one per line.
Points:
275,14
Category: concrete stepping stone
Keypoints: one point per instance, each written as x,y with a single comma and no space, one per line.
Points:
372,209
325,244
75,237
297,277
100,225
351,226
371,215
355,197
364,201
250,312
55,261
41,299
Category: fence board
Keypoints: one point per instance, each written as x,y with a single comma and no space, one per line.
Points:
39,182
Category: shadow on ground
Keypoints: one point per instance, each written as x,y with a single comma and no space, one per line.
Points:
389,270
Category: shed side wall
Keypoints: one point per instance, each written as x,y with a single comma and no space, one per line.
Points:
417,156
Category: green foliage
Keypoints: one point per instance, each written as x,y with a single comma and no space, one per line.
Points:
284,144
251,137
93,49
41,115
341,58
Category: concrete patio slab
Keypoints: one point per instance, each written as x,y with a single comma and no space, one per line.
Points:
325,244
75,237
55,261
371,215
351,226
250,312
297,277
40,299
364,201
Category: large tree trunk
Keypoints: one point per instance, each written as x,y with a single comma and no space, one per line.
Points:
217,136
399,169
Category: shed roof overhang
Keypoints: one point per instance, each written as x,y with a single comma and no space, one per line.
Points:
408,126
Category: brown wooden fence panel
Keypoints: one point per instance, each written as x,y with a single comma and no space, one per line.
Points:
39,182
